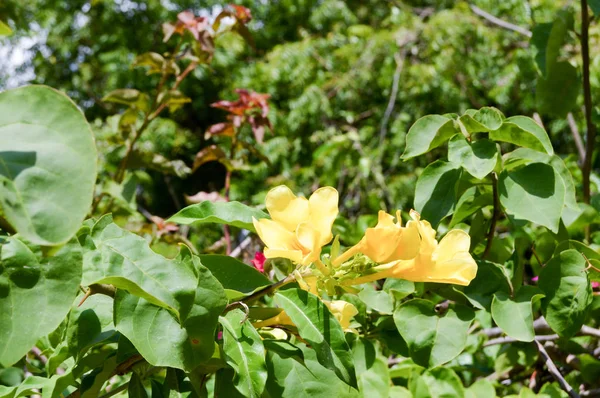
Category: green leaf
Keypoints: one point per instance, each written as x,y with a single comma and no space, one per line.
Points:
372,369
514,315
35,295
469,203
433,339
136,387
400,392
51,387
184,343
378,300
483,120
130,97
478,158
595,6
317,326
534,193
5,30
235,214
88,324
556,94
481,388
564,281
490,279
515,355
48,164
245,353
289,378
237,278
524,156
428,133
548,38
437,383
435,194
120,258
398,288
523,131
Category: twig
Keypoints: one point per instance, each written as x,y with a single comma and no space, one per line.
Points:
587,100
576,137
555,372
495,216
539,324
589,331
124,367
393,95
507,340
38,354
499,22
117,390
238,250
98,288
269,289
538,119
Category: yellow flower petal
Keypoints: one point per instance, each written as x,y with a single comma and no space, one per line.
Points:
280,319
294,255
342,311
309,239
286,208
323,205
388,241
274,235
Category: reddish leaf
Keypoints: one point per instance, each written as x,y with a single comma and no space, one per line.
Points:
220,129
204,196
242,13
208,154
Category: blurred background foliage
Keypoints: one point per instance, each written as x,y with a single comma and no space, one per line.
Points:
346,80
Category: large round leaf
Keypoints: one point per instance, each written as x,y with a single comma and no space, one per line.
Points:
35,295
568,291
534,193
47,164
433,339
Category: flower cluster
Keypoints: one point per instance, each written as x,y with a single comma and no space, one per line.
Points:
300,227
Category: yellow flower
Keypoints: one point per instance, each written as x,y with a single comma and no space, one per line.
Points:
298,227
340,309
387,241
448,261
343,311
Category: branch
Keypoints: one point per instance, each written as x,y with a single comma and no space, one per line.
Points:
393,95
499,22
576,137
540,325
555,372
508,340
587,100
495,216
269,289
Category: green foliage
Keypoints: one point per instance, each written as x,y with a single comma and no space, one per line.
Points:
28,282
432,339
125,248
231,213
564,280
53,158
318,327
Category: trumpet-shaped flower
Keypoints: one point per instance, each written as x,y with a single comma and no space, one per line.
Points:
298,227
387,241
447,261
